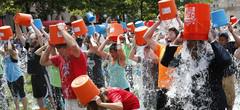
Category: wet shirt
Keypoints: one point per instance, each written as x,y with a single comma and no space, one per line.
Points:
95,70
117,76
12,69
69,70
128,99
54,76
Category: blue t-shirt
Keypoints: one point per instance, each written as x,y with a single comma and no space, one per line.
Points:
12,69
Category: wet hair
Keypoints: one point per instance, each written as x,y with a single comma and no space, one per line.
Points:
174,30
113,47
93,105
225,35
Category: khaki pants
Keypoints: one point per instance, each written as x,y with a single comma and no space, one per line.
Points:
229,89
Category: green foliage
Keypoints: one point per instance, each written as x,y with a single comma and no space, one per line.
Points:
134,9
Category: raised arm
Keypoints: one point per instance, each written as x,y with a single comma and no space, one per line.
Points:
12,52
19,34
70,41
132,55
235,36
103,54
38,33
122,56
44,60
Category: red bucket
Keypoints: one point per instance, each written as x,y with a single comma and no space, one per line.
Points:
167,9
139,33
55,36
79,27
115,30
23,19
196,21
5,33
131,27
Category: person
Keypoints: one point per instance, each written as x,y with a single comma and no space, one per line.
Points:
14,74
208,94
164,80
38,73
94,61
117,63
149,62
229,76
115,99
71,62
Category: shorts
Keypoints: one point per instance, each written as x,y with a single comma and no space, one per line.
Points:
39,86
17,87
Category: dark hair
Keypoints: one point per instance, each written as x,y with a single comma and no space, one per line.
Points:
93,106
174,30
113,47
225,35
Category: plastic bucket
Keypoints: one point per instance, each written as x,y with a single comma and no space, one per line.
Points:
101,28
196,24
55,36
150,23
167,9
219,18
84,89
91,30
90,17
115,30
139,24
131,27
233,20
79,27
38,23
52,22
6,32
139,33
23,19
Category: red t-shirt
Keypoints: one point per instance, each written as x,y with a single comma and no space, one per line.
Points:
128,99
69,70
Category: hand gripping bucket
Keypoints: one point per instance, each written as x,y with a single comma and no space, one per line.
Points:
115,30
23,19
196,21
79,27
167,9
139,24
84,89
91,30
219,18
55,36
38,23
131,27
139,33
5,32
90,17
233,20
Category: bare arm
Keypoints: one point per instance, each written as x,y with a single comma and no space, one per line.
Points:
103,54
122,56
40,50
19,34
71,42
44,60
112,106
132,55
45,33
235,36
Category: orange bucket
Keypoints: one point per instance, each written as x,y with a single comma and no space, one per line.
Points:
84,89
55,35
196,24
115,30
131,27
139,33
23,19
167,9
5,33
79,27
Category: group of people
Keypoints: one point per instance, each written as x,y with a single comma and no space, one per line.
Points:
53,68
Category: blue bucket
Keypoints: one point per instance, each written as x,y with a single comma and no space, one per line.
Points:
38,23
219,18
90,17
91,30
101,28
124,25
139,24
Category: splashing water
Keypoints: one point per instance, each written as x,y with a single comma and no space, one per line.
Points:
237,86
3,100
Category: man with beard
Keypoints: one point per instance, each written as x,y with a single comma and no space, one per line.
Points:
38,73
206,90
